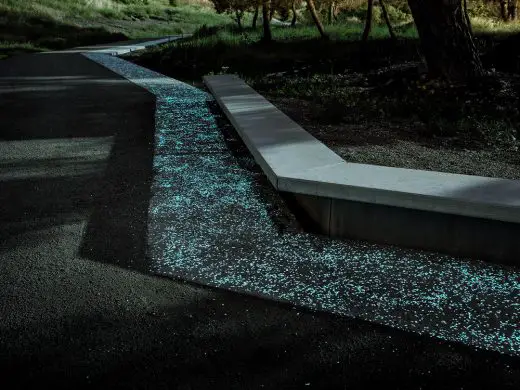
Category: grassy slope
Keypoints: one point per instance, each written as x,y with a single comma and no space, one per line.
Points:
55,24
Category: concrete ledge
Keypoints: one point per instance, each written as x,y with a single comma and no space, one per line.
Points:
296,162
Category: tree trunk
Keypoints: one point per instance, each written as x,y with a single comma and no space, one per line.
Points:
368,21
446,39
238,18
255,16
511,9
294,14
315,17
387,20
331,12
466,15
272,11
503,10
268,37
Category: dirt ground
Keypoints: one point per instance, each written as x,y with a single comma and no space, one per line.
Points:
400,145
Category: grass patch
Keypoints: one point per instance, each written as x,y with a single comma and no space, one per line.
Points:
9,49
229,35
483,25
215,49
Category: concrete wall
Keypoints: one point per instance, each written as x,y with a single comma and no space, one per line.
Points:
477,238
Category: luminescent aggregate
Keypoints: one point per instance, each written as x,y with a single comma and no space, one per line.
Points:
213,220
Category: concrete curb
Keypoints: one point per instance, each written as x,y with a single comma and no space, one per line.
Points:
296,162
120,48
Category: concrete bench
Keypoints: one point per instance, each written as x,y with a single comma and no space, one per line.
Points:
458,214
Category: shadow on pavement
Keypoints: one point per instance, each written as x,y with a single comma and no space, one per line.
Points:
117,229
246,344
76,145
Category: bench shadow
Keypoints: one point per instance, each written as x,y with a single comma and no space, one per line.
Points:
79,156
117,228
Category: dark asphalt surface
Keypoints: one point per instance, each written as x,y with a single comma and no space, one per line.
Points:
76,155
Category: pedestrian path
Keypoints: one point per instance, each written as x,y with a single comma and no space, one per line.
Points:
213,219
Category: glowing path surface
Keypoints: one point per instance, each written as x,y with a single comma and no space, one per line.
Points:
211,221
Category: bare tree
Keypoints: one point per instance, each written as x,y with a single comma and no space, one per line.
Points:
368,21
272,9
255,16
466,14
236,8
511,9
268,36
503,9
316,18
332,11
294,14
387,19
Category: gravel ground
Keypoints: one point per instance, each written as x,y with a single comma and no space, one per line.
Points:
373,143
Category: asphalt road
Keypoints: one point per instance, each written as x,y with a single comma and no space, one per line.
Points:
76,149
